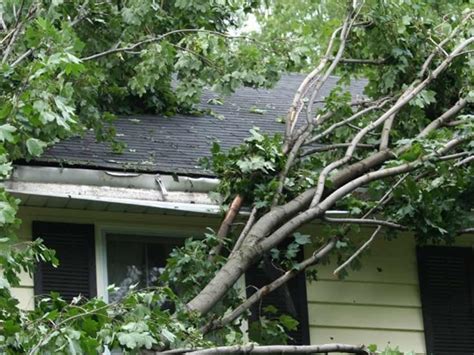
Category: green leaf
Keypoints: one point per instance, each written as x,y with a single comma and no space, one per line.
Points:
372,347
302,239
5,110
270,309
415,151
6,131
35,146
10,327
288,322
168,335
7,213
257,110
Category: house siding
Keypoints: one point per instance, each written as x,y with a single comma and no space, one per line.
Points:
378,304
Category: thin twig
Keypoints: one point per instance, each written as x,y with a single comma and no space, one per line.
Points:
157,39
360,250
361,61
365,221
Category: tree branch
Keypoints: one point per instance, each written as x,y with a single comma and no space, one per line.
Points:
318,211
257,296
465,161
245,231
226,224
355,116
361,61
441,120
274,349
345,31
407,96
360,250
325,148
369,222
154,39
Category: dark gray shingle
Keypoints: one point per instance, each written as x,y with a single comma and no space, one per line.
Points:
174,144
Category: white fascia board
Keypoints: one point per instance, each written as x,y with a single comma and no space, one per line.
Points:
91,177
188,202
170,192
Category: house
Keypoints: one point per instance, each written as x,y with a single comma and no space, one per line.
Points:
105,213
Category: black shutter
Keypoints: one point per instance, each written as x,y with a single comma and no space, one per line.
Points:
446,284
74,246
296,307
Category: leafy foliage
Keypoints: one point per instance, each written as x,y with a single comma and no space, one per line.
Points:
69,66
249,169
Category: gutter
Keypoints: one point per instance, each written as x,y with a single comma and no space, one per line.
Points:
90,177
167,192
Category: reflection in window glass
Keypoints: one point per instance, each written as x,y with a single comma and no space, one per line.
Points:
135,261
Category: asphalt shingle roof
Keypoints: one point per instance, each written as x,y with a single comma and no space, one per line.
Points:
174,144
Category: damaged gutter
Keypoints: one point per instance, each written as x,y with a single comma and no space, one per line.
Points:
111,178
167,192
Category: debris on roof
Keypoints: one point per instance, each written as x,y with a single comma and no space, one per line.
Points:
174,145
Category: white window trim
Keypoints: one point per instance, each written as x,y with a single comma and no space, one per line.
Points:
101,232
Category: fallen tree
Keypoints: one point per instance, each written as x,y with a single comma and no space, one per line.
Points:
391,158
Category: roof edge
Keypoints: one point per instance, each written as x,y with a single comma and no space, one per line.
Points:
93,177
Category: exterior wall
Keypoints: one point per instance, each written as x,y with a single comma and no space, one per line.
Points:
146,224
379,304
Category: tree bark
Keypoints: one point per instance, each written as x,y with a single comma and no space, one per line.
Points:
275,349
226,224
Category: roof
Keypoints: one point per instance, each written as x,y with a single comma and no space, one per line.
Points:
157,144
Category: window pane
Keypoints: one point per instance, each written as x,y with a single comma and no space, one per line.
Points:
135,260
157,255
125,266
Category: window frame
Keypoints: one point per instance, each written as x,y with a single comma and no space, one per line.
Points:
130,232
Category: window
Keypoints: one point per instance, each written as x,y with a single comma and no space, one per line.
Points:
447,294
289,299
135,260
74,245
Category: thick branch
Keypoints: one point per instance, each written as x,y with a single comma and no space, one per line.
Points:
325,148
281,221
284,349
407,96
318,211
441,120
245,231
243,258
257,296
